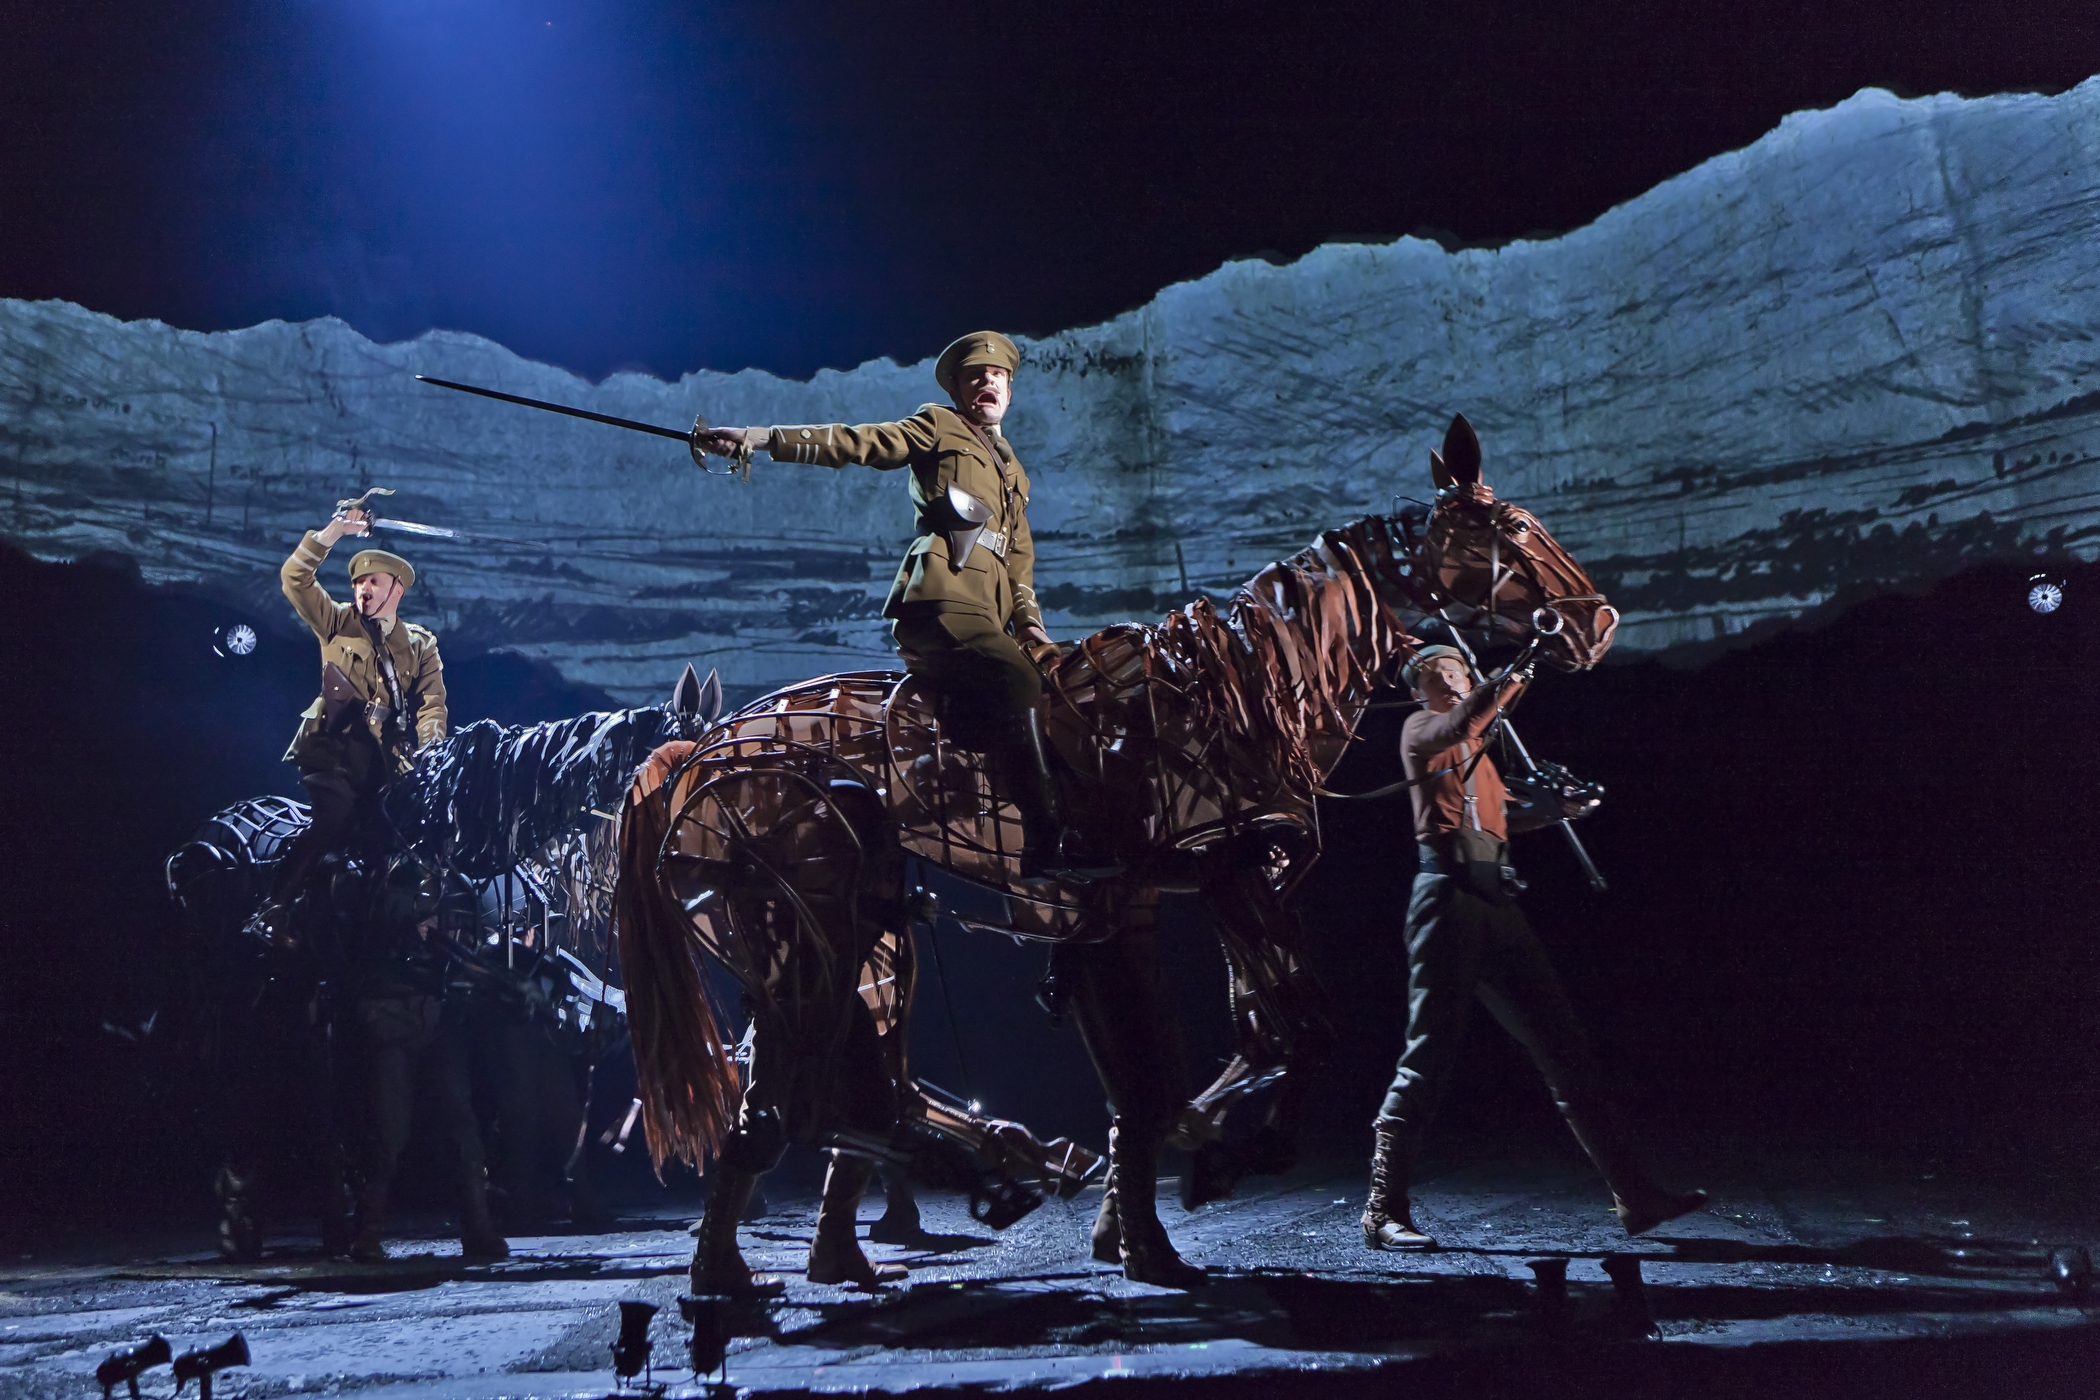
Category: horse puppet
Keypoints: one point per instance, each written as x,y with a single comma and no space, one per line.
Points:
778,845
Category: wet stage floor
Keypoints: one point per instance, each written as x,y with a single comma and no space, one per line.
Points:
1827,1276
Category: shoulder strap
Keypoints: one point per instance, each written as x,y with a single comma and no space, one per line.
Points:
386,660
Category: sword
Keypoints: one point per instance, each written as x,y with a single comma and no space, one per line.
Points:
628,423
690,437
413,527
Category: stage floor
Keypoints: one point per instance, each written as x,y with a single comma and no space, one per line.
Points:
1824,1273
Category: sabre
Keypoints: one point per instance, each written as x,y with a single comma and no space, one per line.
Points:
413,527
689,436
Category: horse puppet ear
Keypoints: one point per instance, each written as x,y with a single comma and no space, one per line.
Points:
1460,463
694,700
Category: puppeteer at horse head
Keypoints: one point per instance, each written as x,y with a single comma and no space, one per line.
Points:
963,607
382,694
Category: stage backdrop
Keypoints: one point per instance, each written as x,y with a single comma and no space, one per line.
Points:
1864,351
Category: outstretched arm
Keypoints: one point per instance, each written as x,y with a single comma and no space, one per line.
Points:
1467,720
884,446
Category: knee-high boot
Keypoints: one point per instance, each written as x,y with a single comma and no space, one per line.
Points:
1024,761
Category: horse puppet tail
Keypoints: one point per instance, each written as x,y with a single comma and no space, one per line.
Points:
687,1082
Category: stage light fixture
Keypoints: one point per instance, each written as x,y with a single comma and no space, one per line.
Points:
125,1367
2045,594
201,1365
631,1350
234,639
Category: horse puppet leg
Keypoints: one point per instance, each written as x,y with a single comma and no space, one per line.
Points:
1130,1032
1283,1036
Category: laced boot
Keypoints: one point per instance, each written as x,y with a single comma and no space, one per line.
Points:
1148,1255
479,1240
240,1238
1108,1224
835,1255
1388,1221
718,1265
1640,1203
900,1223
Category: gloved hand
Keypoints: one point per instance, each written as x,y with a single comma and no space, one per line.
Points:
1041,650
737,444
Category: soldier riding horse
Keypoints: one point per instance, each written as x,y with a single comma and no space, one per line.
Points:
778,845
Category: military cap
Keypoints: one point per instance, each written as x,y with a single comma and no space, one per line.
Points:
378,561
1412,671
976,348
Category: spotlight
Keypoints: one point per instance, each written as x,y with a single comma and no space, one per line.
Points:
126,1366
201,1365
2071,1268
2045,594
234,639
631,1351
710,1344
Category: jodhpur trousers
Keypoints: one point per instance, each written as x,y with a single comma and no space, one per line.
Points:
1459,947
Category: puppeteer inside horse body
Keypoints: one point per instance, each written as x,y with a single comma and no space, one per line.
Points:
777,842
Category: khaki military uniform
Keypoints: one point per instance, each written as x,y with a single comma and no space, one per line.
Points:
341,770
953,618
345,642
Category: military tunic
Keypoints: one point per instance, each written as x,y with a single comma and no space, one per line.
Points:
345,642
942,449
952,622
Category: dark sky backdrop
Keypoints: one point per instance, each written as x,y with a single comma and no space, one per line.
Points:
608,183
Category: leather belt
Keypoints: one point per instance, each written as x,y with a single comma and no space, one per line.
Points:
994,541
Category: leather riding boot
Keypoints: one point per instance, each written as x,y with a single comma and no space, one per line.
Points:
1024,761
1389,1221
1641,1204
479,1240
835,1255
1058,851
1148,1255
718,1265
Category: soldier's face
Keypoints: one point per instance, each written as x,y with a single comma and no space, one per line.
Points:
1443,683
376,594
982,392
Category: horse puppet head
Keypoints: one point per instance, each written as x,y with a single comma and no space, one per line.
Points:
1490,566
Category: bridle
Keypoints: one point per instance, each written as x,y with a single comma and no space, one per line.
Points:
1546,619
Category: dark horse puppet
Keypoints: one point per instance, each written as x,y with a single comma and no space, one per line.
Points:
778,843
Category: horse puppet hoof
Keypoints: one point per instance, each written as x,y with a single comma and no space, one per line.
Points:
1214,1169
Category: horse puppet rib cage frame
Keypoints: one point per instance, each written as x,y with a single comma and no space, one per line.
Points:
777,842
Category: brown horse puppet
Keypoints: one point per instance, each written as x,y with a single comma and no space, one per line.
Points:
779,846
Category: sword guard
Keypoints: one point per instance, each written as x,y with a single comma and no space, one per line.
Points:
358,503
739,460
